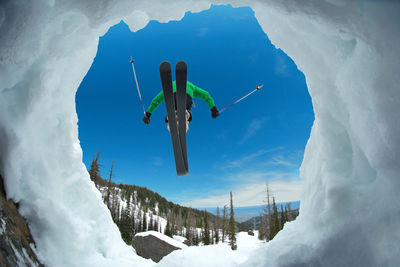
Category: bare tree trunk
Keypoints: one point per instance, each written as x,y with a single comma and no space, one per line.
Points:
109,186
268,217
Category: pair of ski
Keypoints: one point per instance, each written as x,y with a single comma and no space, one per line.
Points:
177,128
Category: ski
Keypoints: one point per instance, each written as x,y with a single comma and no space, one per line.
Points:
181,80
166,81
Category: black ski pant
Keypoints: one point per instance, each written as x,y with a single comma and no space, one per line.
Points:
189,104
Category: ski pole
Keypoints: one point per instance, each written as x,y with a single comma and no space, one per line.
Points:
137,86
258,88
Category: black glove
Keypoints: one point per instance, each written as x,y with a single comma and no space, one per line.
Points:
214,112
146,118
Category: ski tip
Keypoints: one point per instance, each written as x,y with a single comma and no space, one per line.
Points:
181,64
180,174
182,171
165,65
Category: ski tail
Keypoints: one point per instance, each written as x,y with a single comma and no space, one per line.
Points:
181,81
166,81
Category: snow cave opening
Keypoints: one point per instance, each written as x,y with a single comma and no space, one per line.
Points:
352,154
108,105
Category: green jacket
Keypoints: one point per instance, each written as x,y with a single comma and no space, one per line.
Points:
191,90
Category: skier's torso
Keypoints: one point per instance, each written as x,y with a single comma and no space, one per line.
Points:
191,90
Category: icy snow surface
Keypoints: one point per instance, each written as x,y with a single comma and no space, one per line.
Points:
349,53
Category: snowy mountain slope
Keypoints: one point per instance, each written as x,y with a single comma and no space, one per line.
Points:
148,210
136,210
349,54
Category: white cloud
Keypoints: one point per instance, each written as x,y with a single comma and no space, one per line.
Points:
254,193
246,177
249,158
280,160
254,126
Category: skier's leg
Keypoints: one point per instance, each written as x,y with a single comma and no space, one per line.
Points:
177,120
188,119
166,121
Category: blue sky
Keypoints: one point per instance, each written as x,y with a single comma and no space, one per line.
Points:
260,139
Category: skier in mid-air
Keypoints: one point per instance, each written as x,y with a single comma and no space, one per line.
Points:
191,91
178,96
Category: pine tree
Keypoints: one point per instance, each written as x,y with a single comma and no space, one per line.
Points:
206,231
283,219
118,215
168,228
265,218
276,217
275,220
114,206
133,223
156,227
290,216
95,169
144,224
159,229
224,224
172,223
216,227
187,227
140,221
263,227
196,238
109,186
188,234
179,223
286,213
126,224
268,218
194,230
232,232
151,224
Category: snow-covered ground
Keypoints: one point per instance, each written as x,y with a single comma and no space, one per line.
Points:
179,238
349,52
215,255
208,256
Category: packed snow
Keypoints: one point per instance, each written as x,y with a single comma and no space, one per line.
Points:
349,53
179,238
216,255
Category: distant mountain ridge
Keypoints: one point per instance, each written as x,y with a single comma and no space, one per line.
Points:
243,214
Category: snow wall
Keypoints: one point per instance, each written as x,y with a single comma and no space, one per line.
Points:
349,53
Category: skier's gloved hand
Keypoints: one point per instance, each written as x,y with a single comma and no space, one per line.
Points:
146,118
214,112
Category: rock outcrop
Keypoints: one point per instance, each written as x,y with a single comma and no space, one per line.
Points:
151,247
15,237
